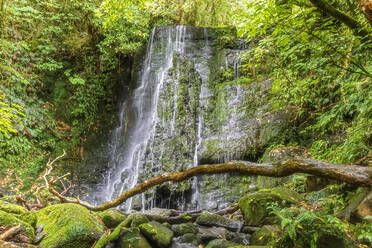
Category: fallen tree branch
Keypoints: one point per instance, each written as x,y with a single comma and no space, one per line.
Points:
352,174
10,233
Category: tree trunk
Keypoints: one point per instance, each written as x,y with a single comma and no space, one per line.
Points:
352,174
366,7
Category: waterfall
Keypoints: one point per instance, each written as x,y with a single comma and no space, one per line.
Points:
166,118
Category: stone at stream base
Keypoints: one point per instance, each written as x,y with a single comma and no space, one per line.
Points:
112,217
221,243
207,219
132,238
10,220
254,206
184,228
358,207
138,220
265,234
4,244
69,225
11,208
157,233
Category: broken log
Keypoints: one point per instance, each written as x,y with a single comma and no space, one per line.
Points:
353,174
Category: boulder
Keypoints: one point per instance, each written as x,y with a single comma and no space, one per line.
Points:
264,234
358,207
208,234
254,206
112,217
10,220
184,228
132,238
11,208
138,220
157,233
207,219
221,243
69,225
190,238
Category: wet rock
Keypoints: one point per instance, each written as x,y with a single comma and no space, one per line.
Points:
208,234
264,235
241,238
69,225
184,228
249,229
254,206
11,208
157,233
138,220
358,207
10,220
132,238
365,208
207,219
221,243
190,238
112,217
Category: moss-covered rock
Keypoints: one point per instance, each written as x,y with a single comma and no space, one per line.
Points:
207,219
184,228
132,238
112,217
254,206
11,208
264,235
157,233
8,219
221,243
139,219
68,225
190,238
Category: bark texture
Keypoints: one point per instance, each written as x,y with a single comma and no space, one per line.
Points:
352,174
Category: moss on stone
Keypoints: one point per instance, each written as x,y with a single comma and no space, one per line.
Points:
221,243
207,219
264,235
139,219
68,225
8,219
157,233
112,217
11,208
254,206
132,238
184,228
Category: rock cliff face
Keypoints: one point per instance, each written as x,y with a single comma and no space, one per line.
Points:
187,105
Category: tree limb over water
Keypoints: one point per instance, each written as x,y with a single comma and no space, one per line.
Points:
353,174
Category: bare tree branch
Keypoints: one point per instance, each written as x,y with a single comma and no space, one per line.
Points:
352,174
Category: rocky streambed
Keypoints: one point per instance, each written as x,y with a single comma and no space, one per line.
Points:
248,223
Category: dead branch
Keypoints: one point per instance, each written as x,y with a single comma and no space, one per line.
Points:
10,233
352,174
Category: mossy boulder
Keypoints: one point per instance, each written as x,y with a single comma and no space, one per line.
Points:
190,238
264,235
184,228
254,206
11,208
208,219
112,217
8,219
157,233
222,243
139,219
132,238
69,225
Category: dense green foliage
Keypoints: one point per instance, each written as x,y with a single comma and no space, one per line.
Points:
321,71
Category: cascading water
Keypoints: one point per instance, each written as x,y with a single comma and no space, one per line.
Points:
166,120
